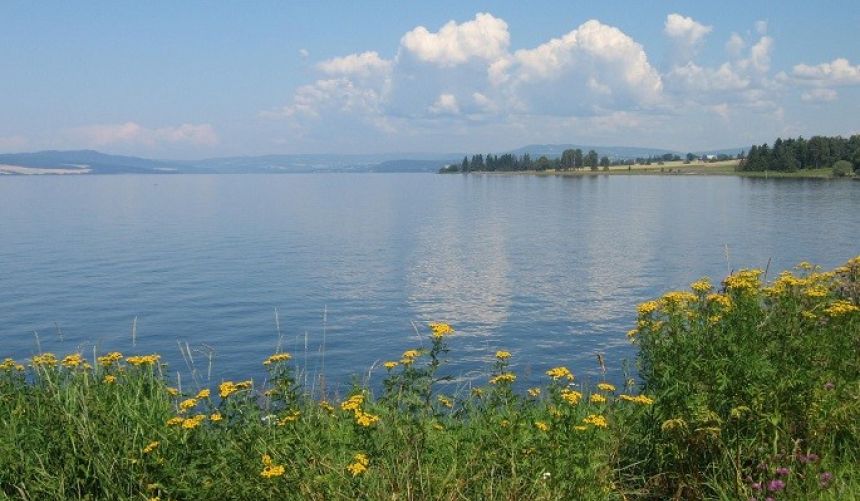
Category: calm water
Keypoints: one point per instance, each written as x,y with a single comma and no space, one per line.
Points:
548,268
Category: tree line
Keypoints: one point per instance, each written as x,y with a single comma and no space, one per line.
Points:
790,155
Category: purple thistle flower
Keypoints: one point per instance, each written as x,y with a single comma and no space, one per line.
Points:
756,486
769,499
829,385
825,478
782,471
776,485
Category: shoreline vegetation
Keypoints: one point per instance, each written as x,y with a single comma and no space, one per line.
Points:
820,157
746,389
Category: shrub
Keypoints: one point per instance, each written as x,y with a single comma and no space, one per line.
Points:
842,168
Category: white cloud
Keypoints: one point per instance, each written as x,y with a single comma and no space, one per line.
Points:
695,79
131,133
485,37
837,72
364,64
819,95
446,104
735,45
303,53
686,33
335,94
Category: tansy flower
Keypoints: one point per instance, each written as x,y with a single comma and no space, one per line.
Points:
541,425
557,373
503,355
187,404
440,329
204,393
109,379
605,387
359,464
277,357
193,422
570,396
534,392
175,421
364,419
446,402
270,469
597,398
326,407
390,364
149,448
109,359
638,399
140,360
353,403
505,377
596,420
216,417
45,359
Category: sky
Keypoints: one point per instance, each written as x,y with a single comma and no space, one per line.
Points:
189,79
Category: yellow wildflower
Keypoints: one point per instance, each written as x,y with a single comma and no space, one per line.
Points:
505,377
570,396
638,399
175,421
228,388
411,354
503,355
541,425
744,280
720,300
45,359
187,404
10,364
597,398
289,418
440,329
215,417
702,286
172,391
647,308
109,379
557,373
678,298
359,464
277,357
353,403
605,387
270,469
446,402
841,307
596,420
204,393
816,291
193,422
73,360
391,364
365,419
326,407
534,392
109,359
631,334
149,448
140,360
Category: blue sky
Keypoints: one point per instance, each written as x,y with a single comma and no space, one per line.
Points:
199,79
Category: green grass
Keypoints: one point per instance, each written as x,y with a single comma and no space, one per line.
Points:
737,382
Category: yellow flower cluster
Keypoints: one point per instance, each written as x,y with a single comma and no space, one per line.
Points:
175,421
505,377
326,407
596,420
109,359
290,418
597,398
720,300
702,286
45,360
541,425
359,464
149,448
673,424
353,404
409,356
647,308
73,360
841,307
440,329
193,422
445,401
228,388
678,298
816,291
638,399
605,387
215,417
365,419
557,373
570,396
139,360
109,379
744,280
9,364
270,469
391,364
204,393
534,392
172,391
503,355
277,357
187,404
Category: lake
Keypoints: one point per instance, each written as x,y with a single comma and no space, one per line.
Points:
344,266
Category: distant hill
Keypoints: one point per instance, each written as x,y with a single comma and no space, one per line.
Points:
391,162
98,163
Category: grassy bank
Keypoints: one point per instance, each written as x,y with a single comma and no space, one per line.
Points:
748,390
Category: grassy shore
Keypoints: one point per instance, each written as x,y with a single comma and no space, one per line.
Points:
749,390
726,168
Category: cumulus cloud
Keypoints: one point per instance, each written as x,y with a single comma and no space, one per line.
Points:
835,73
131,133
364,64
687,35
486,37
819,95
446,104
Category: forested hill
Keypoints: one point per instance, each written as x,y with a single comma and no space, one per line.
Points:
790,155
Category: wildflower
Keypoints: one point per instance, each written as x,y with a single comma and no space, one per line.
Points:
175,421
504,423
673,424
440,329
631,334
702,286
73,360
270,469
228,388
391,364
215,417
838,308
815,292
289,418
534,392
364,419
678,298
359,464
605,387
505,377
825,478
9,364
638,399
140,360
411,354
187,404
109,379
446,402
277,357
580,427
557,373
597,398
204,393
150,447
775,485
193,422
503,355
353,403
326,407
44,360
596,420
782,471
109,359
720,300
542,426
647,308
570,396
172,391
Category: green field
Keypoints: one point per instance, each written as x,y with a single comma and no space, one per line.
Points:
747,389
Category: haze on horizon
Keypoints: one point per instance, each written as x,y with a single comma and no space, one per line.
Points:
195,79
